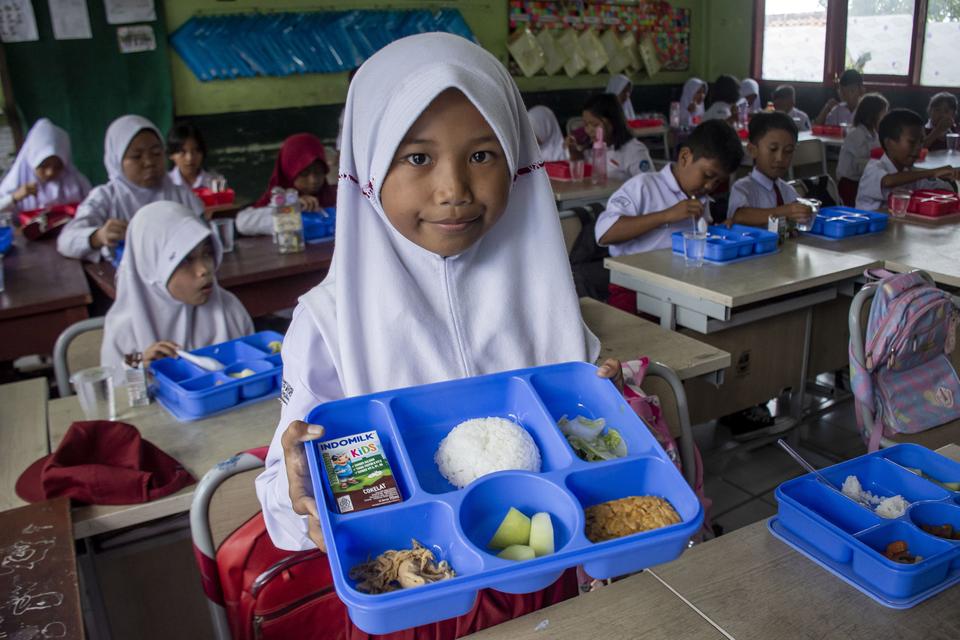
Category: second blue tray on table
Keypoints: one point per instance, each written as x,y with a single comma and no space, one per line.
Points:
726,244
319,225
458,523
842,222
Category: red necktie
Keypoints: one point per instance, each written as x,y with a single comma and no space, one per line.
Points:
776,190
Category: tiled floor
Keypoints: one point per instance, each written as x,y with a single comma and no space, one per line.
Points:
741,481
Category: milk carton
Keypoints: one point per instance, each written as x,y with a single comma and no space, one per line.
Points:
358,472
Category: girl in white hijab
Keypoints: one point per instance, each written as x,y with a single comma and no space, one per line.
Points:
548,134
167,291
620,86
749,96
43,174
691,102
136,166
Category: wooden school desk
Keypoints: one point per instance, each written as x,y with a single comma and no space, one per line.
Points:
941,158
570,194
264,280
23,432
44,294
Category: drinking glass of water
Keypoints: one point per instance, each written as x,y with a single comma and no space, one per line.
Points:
806,224
899,203
953,141
694,244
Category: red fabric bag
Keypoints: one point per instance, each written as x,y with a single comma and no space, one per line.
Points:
46,222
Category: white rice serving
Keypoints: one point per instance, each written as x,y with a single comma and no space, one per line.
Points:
892,507
484,445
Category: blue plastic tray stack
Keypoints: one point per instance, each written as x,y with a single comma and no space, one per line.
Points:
458,524
849,540
190,393
843,222
739,241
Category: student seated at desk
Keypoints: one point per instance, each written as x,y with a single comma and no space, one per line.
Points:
626,156
302,165
860,141
942,114
549,136
749,101
726,94
43,175
620,86
134,159
785,101
851,90
901,133
691,102
167,292
187,151
763,193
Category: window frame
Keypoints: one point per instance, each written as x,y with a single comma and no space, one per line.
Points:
835,45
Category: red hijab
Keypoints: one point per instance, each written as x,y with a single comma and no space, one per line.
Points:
298,152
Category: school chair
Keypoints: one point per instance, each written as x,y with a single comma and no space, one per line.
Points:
933,438
822,188
809,152
76,348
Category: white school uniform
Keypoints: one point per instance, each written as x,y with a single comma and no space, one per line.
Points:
872,195
840,113
204,179
804,124
44,140
643,194
391,314
719,110
756,191
119,198
690,88
615,85
158,239
629,160
855,152
549,136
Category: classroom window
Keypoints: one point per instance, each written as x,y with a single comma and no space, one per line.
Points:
942,33
879,36
794,36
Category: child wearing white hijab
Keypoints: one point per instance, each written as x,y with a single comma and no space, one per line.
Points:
167,291
620,86
691,102
43,174
450,260
136,166
549,137
749,97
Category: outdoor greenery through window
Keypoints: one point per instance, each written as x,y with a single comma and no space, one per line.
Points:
873,36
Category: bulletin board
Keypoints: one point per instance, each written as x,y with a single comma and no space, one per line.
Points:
668,26
83,84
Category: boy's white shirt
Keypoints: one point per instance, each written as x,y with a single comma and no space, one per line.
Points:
872,195
803,117
855,152
391,314
204,179
755,191
840,113
646,193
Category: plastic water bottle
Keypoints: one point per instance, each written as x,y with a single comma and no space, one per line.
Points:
674,115
599,175
287,221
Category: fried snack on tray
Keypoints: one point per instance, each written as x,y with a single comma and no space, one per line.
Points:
618,518
393,570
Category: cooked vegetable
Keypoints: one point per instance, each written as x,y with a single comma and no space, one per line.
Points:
274,346
898,552
517,552
514,529
591,439
541,534
246,373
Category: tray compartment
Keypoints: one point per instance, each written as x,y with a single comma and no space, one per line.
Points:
893,578
914,456
936,514
231,352
176,369
885,479
260,383
261,340
205,394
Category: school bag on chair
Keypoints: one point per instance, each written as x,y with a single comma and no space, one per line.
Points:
905,378
586,257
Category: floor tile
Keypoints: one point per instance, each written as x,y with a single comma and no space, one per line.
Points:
761,470
746,514
724,495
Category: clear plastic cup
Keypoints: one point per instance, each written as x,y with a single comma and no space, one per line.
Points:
953,142
899,203
94,386
694,244
807,223
224,230
576,170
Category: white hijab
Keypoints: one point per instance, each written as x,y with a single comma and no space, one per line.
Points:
45,139
615,85
391,313
547,129
690,88
158,238
749,87
126,198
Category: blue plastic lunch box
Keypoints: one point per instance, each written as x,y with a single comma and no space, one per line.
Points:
190,392
319,225
739,241
849,539
843,222
458,524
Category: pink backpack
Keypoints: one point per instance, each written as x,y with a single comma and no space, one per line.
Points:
905,376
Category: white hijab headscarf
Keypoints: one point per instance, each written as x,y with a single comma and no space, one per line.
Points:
615,85
158,238
548,134
393,314
690,88
127,198
750,87
45,139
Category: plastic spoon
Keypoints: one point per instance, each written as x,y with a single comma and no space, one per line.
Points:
803,463
210,364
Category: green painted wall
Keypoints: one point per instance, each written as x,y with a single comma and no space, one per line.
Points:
728,38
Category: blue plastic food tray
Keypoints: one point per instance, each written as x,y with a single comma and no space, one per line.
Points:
319,225
849,539
458,524
725,245
190,393
837,223
6,239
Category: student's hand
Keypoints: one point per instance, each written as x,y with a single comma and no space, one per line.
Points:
24,190
796,211
611,369
576,153
942,126
692,106
298,475
310,203
943,173
158,350
110,234
688,208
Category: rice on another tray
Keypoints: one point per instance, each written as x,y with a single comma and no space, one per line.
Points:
484,445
